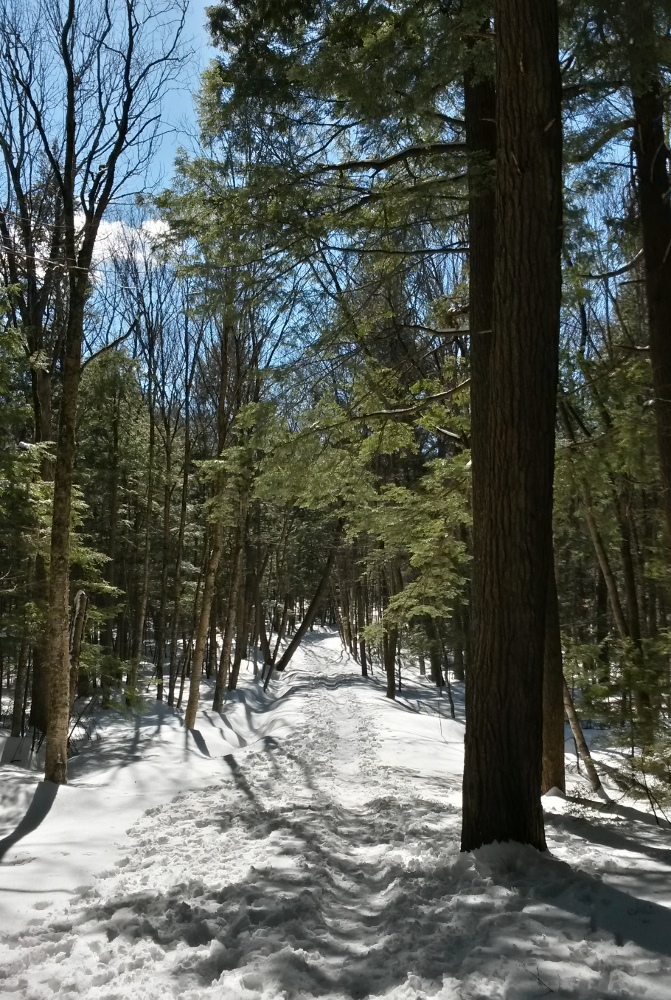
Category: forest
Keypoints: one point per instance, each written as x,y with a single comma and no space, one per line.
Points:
390,354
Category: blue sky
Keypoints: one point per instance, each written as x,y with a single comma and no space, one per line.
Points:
178,107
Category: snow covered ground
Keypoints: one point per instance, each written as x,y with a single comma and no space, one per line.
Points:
306,845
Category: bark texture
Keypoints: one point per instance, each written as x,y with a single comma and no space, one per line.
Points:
652,185
513,440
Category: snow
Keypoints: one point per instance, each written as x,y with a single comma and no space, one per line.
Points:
306,844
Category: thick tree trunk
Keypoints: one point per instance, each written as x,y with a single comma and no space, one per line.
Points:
652,186
513,439
553,775
480,113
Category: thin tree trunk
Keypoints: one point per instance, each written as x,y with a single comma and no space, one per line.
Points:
232,607
446,669
389,642
583,749
141,613
186,666
261,627
211,668
242,631
56,763
553,700
459,644
201,628
114,521
390,635
608,575
163,600
434,652
39,702
42,405
81,604
361,624
223,667
309,617
602,623
19,688
260,615
177,582
283,625
629,574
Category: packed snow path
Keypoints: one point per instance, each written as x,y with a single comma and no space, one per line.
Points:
315,854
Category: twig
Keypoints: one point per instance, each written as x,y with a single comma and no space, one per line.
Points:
534,975
81,714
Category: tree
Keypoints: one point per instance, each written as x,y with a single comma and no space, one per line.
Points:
621,53
513,448
97,135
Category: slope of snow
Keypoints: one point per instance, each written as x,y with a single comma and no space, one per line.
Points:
306,845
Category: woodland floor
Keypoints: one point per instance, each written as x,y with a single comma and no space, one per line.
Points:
306,845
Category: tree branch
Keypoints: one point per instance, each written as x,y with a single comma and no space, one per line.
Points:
382,163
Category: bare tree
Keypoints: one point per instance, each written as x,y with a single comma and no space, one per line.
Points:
83,85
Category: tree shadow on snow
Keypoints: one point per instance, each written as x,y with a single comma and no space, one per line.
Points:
327,908
39,808
606,835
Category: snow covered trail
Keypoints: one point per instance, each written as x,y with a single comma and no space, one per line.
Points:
315,854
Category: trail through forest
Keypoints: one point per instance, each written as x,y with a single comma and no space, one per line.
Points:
313,851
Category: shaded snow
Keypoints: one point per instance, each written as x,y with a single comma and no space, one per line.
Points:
314,853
